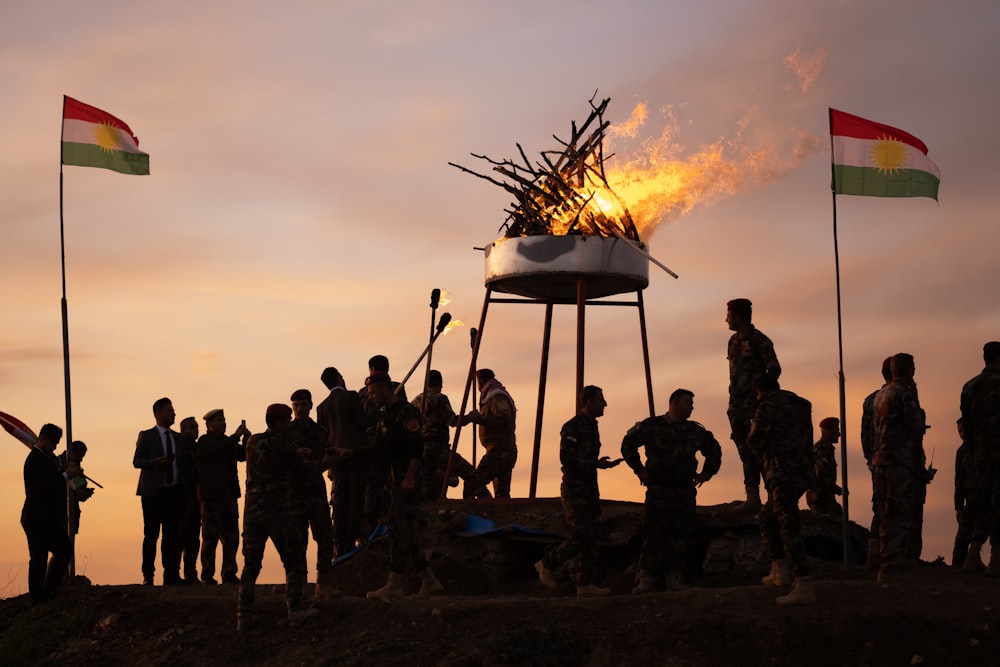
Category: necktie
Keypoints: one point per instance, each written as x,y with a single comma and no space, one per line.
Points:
169,450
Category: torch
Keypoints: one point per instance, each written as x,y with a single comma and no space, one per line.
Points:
473,334
441,326
435,299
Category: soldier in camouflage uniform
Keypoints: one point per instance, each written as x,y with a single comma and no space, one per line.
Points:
868,449
981,423
307,434
190,523
781,438
496,418
400,450
219,492
579,453
751,356
276,474
671,478
972,527
899,431
822,494
436,415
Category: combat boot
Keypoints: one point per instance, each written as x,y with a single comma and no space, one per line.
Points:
429,584
974,559
645,584
546,576
591,591
297,617
993,570
675,582
802,593
781,574
393,589
752,503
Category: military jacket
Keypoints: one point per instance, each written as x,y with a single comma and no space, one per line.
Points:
398,438
825,465
275,472
898,425
435,414
309,434
781,435
749,358
981,415
670,450
579,450
218,478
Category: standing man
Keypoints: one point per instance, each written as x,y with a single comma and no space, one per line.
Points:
751,357
219,493
496,419
307,434
972,528
781,438
77,483
868,449
822,494
400,448
44,517
436,414
981,423
160,489
671,478
275,476
580,456
899,431
190,525
343,416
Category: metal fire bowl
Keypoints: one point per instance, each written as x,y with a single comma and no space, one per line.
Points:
549,267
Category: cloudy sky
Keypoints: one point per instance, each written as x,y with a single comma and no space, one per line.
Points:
301,209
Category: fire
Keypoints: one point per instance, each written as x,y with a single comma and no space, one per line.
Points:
452,324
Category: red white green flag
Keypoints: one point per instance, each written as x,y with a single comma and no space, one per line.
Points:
18,429
877,160
95,138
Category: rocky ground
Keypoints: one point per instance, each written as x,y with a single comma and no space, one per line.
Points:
494,611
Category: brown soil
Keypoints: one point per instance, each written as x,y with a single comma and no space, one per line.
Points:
494,612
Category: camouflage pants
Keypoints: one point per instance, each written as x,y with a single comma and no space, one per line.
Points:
497,466
287,532
582,514
894,488
190,539
915,538
873,531
973,526
668,523
780,527
436,455
317,511
220,522
739,422
404,515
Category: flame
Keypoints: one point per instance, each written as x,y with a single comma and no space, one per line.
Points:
443,300
661,182
806,68
451,325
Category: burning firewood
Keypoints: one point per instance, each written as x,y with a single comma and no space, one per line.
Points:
566,191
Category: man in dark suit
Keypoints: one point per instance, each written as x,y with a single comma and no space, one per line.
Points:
44,517
343,416
160,488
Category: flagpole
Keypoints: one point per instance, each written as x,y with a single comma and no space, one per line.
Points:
70,497
840,349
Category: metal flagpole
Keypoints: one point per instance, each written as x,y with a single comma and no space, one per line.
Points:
70,497
840,376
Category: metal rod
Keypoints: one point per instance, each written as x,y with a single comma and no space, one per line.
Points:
543,377
645,254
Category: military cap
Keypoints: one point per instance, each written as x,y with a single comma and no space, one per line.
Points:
830,422
279,410
301,395
212,414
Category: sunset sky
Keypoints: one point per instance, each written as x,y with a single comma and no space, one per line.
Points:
300,209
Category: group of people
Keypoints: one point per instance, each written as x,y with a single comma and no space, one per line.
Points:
384,454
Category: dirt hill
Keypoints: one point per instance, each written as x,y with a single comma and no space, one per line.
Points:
494,612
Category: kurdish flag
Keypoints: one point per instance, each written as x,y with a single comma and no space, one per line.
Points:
94,138
18,429
876,160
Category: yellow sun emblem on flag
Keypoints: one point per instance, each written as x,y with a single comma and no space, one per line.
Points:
106,136
888,155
